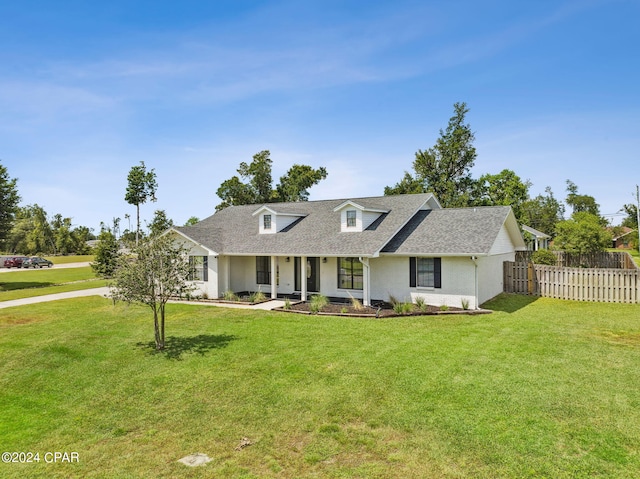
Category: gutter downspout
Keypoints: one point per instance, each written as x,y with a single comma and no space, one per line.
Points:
366,293
475,263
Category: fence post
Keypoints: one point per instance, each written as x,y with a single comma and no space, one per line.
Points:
530,278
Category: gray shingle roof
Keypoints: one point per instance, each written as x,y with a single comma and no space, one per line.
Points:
403,230
234,231
450,231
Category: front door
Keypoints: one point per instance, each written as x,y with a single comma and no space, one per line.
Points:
313,274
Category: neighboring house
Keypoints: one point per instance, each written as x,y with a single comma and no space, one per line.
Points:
536,239
623,240
403,246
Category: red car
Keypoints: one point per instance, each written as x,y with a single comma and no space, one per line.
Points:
14,262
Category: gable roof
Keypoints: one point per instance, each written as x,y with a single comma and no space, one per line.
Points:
408,226
234,230
535,232
455,232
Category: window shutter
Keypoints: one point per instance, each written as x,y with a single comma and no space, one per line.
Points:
205,267
437,270
412,272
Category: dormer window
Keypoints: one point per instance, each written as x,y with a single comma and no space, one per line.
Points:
271,221
356,217
351,218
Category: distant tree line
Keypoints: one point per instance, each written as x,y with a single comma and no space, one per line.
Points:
445,170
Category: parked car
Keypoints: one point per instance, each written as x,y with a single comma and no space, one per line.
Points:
36,262
14,261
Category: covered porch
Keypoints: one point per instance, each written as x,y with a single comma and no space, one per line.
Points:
296,276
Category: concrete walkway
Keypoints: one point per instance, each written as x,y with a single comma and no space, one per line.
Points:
104,292
54,297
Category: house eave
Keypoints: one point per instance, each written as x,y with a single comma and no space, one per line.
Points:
191,240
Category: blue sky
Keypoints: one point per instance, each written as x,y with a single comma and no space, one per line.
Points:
192,88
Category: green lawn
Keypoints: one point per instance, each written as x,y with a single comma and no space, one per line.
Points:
539,388
28,283
635,254
70,259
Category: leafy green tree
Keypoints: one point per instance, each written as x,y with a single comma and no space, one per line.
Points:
504,189
257,188
192,221
62,235
160,223
581,203
408,185
9,200
542,212
295,184
141,186
631,221
158,272
81,235
583,233
445,168
106,254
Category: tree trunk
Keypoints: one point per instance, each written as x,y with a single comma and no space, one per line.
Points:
162,324
156,327
137,223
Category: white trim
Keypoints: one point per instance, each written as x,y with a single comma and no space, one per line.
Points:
180,233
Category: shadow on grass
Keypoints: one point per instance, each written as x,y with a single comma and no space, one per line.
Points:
13,286
201,344
509,302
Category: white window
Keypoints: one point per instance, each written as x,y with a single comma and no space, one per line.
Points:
351,218
266,222
199,266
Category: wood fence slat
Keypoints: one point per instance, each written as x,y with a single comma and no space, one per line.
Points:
581,284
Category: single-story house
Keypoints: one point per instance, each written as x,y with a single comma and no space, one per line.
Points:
372,249
624,239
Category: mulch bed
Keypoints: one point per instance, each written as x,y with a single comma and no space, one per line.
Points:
384,311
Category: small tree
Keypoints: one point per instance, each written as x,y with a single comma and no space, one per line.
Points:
160,223
9,200
157,272
106,255
141,186
583,233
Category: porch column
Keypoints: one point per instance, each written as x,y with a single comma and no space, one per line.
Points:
274,284
227,274
366,292
303,278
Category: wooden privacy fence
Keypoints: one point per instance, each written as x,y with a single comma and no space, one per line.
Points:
580,284
604,259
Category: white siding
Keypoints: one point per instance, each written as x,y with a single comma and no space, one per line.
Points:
343,220
368,218
390,276
282,221
502,243
261,229
490,275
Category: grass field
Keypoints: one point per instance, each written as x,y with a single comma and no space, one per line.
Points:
539,388
29,283
70,259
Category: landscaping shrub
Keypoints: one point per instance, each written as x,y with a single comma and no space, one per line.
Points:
230,296
318,302
257,297
544,256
